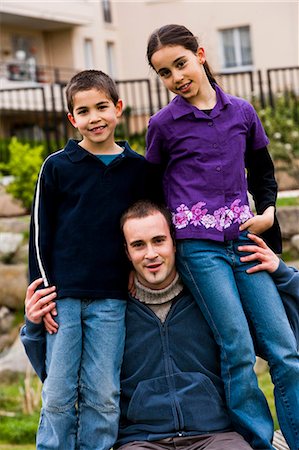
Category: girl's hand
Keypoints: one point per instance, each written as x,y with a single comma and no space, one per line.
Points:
39,302
261,222
131,284
50,324
260,252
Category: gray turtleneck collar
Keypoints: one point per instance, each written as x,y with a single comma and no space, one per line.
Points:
159,300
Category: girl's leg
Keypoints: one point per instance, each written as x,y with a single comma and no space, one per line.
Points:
276,342
103,345
206,268
58,422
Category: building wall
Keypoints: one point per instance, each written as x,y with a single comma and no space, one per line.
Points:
274,29
61,28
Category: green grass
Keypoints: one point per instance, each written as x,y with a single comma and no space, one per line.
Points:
20,429
17,447
15,426
287,201
266,385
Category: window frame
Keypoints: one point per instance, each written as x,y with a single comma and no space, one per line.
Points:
239,67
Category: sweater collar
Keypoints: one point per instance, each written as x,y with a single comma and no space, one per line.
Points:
76,153
158,296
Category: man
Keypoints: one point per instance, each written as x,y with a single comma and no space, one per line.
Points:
171,390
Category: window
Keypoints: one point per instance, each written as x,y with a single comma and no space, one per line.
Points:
236,48
107,11
110,55
88,53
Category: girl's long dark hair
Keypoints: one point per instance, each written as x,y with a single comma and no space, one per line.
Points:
175,35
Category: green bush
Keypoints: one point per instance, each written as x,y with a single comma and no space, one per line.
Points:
281,126
24,165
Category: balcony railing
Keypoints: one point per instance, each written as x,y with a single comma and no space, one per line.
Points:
30,72
34,101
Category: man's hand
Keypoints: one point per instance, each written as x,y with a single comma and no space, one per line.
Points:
260,252
259,223
39,303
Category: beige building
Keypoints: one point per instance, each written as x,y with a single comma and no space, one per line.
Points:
237,35
112,35
47,41
66,35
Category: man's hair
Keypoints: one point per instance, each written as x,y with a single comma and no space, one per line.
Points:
90,79
145,208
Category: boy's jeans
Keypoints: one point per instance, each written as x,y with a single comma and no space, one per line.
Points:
217,279
81,392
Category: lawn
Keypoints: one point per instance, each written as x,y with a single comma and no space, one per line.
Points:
16,447
287,201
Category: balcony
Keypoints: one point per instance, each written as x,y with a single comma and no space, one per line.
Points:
14,74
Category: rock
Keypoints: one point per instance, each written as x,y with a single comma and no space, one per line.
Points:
295,242
15,224
15,359
288,218
21,255
9,243
285,180
10,207
13,285
6,319
7,339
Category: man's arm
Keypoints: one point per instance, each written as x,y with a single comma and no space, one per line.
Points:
286,278
32,334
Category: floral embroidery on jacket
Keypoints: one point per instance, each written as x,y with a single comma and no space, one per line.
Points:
220,219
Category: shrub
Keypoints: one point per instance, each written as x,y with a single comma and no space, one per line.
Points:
24,165
281,126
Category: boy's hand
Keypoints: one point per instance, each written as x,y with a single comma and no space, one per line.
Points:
39,302
260,252
259,223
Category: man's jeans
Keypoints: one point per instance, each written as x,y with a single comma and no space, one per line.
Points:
81,392
222,288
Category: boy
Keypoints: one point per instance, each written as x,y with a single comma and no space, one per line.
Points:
76,245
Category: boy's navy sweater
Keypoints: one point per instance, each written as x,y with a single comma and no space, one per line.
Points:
75,238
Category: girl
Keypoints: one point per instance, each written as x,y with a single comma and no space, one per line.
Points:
203,140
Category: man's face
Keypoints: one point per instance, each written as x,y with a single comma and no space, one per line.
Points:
151,250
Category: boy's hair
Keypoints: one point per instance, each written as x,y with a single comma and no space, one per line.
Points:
90,79
171,35
144,208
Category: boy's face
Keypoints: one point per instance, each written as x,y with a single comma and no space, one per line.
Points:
95,116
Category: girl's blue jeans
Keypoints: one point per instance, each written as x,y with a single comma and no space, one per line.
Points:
81,392
225,293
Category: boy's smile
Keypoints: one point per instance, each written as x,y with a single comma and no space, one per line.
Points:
95,116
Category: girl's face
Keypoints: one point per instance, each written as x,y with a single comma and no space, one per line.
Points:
182,71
